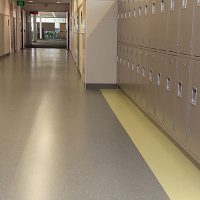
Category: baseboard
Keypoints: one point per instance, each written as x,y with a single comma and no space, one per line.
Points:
96,86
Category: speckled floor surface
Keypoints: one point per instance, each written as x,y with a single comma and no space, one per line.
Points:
59,142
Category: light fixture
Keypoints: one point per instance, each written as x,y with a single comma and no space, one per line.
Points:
58,2
30,1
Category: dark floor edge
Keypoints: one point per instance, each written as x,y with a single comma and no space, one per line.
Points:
4,55
98,86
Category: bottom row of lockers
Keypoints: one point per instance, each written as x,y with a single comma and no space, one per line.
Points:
166,87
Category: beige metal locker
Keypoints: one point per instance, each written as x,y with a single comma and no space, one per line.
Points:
173,22
169,93
181,98
128,71
162,23
185,26
159,86
193,135
196,29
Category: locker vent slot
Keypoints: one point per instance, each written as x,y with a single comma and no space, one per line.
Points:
180,89
140,11
138,69
153,8
184,4
145,10
121,15
172,5
143,72
159,79
162,6
150,75
194,96
128,64
125,15
133,67
168,84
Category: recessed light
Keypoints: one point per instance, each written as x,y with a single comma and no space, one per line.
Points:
58,2
30,1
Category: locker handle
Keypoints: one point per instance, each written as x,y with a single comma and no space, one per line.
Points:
162,6
145,10
150,75
194,96
134,12
143,72
154,8
172,5
168,84
180,89
140,11
159,79
138,69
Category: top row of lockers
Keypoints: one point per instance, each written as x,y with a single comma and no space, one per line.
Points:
172,25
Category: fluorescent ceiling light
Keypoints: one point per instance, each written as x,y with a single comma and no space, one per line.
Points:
53,14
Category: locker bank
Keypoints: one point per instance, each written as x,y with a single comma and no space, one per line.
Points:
99,100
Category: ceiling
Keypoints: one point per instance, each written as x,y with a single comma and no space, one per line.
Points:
52,14
47,1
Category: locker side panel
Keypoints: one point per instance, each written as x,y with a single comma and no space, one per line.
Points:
169,92
173,22
185,27
181,98
193,135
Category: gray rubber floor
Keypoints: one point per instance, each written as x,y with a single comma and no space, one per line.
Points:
59,142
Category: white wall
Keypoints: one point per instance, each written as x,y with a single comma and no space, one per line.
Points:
101,41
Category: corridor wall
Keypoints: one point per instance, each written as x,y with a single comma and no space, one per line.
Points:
159,64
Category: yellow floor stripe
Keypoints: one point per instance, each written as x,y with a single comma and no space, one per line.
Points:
179,177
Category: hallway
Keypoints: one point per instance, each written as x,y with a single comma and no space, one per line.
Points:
59,142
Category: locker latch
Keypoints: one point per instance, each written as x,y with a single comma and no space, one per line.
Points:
159,79
172,5
168,84
194,96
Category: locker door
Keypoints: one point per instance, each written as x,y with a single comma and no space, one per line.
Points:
125,63
133,73
193,136
136,22
159,93
129,22
154,23
185,26
119,28
132,21
141,22
169,93
162,20
173,22
144,81
181,98
129,70
151,84
122,66
196,29
118,64
146,23
139,76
